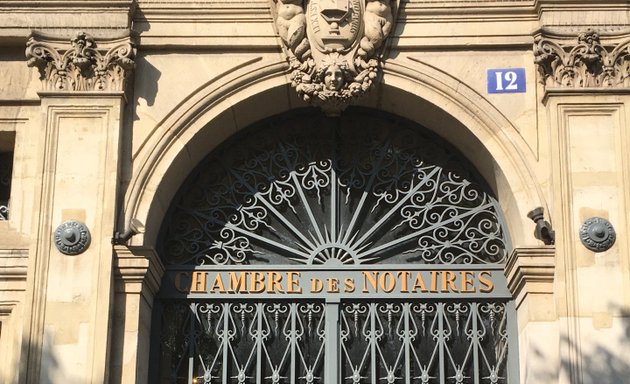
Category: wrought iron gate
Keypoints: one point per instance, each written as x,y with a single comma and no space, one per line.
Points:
353,250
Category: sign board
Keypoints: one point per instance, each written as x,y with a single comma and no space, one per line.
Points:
509,80
401,281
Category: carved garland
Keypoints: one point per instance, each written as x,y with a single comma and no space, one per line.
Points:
587,64
81,64
333,46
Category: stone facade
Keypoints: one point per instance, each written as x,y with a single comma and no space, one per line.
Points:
108,105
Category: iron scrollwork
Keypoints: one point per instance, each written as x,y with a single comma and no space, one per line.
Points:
319,195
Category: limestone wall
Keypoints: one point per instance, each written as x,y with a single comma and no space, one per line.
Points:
205,70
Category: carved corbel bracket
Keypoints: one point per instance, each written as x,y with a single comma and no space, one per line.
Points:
137,270
587,63
530,270
81,63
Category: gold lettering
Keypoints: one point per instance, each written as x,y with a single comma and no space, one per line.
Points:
256,282
218,284
419,283
333,285
448,282
238,285
387,282
487,283
293,282
434,281
275,279
468,285
372,278
316,285
198,282
178,282
404,275
349,285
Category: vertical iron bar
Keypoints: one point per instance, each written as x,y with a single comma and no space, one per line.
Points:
293,312
226,323
441,362
333,203
191,341
331,352
259,326
512,352
406,312
372,313
474,309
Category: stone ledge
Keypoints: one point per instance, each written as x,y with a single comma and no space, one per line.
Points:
137,268
530,270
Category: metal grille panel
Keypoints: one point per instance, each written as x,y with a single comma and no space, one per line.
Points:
327,197
317,190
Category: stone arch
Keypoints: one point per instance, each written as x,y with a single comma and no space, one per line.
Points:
233,101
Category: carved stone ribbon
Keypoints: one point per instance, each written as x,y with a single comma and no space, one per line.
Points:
81,64
333,46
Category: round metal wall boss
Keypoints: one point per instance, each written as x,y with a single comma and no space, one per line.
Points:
597,234
72,237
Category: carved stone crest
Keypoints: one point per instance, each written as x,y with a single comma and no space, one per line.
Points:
333,46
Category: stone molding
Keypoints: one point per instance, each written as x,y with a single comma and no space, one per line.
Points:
587,63
137,270
13,266
82,63
530,270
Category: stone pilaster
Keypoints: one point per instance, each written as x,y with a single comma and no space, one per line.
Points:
69,297
530,273
138,272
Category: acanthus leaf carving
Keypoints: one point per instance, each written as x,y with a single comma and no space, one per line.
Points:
81,64
588,64
333,46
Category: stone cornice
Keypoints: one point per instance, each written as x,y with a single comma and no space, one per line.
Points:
530,270
137,270
587,62
81,63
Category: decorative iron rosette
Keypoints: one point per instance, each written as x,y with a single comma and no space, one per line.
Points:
72,237
597,234
333,46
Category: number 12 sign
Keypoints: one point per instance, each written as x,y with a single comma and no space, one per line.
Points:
511,80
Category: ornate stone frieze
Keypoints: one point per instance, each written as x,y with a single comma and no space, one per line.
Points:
333,46
587,64
81,64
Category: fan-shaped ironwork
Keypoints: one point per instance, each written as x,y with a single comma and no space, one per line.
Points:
312,190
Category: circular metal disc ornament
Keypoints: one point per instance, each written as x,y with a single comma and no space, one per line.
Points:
72,238
597,234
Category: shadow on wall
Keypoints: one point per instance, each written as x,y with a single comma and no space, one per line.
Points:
603,363
146,83
48,361
604,360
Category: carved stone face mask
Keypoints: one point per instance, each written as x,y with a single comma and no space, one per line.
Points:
333,78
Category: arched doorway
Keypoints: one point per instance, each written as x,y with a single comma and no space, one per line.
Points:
359,249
